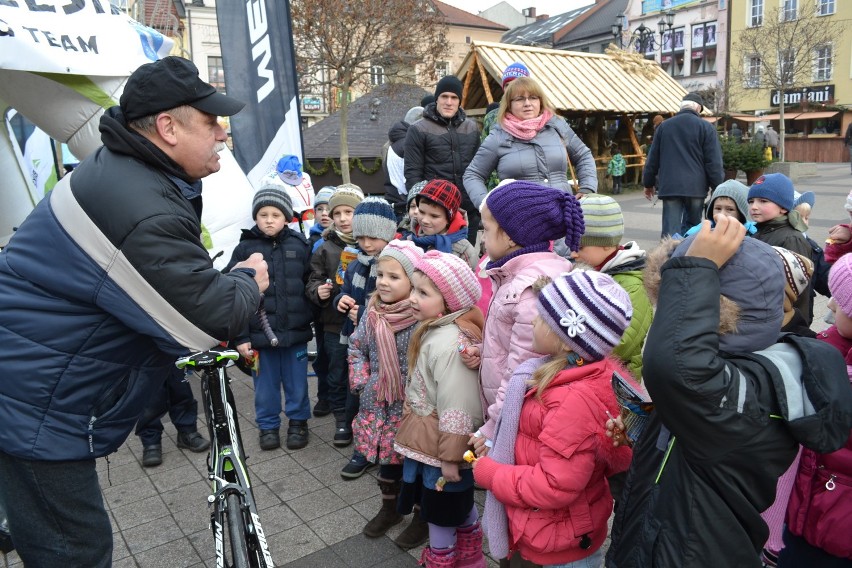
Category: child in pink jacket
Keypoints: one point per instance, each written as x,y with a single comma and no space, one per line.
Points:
520,221
547,472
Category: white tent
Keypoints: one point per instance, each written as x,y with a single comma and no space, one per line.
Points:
62,70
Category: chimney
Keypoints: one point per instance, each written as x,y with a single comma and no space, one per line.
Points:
542,17
528,12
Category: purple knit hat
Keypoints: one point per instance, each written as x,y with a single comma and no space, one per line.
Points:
840,283
588,310
453,278
532,213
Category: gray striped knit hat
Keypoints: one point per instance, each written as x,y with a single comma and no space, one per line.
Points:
604,221
274,195
374,217
588,310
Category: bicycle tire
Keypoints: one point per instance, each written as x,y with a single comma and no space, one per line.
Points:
237,532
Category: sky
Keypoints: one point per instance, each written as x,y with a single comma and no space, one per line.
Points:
550,7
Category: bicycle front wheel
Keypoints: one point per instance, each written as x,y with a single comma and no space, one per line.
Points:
237,532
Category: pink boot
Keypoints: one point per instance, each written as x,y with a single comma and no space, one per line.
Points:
469,547
443,559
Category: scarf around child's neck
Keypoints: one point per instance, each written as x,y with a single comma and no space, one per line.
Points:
525,129
384,321
347,238
456,231
538,247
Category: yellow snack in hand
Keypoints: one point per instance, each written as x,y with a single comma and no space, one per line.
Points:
439,485
469,456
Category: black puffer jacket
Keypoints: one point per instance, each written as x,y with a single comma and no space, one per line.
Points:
440,148
286,305
396,142
724,429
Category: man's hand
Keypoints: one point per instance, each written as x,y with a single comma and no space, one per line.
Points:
718,244
649,193
244,349
261,271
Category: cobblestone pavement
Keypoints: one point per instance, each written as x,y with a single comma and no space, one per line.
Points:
311,516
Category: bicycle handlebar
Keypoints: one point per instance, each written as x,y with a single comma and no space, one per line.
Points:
211,358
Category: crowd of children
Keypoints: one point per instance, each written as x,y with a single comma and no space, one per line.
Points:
521,400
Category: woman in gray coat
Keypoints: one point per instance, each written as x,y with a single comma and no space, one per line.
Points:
529,141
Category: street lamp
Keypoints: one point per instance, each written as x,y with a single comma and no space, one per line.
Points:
643,36
665,25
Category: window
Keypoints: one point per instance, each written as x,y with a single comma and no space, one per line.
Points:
467,39
825,7
673,40
377,75
215,73
753,68
822,63
442,69
786,64
756,13
703,35
789,10
603,47
584,49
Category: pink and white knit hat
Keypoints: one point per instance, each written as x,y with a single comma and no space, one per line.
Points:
406,253
840,283
453,278
588,310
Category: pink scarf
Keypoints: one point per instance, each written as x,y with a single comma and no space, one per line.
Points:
384,321
525,129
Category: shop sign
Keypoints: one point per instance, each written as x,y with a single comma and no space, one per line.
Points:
821,94
312,103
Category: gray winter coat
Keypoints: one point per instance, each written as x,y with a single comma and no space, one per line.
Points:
542,158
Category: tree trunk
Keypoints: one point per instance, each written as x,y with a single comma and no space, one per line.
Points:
344,130
781,129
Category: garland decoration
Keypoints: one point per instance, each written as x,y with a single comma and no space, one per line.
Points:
332,164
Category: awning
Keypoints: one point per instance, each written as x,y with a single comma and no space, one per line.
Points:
813,115
710,119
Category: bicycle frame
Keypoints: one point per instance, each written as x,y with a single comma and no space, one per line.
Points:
231,485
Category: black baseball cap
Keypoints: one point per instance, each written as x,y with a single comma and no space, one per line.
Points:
172,82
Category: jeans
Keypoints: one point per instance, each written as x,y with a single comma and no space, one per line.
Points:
56,512
175,397
280,365
338,371
681,214
593,561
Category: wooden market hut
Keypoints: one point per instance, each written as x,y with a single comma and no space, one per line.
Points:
589,89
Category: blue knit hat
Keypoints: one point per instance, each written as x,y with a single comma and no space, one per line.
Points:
374,218
777,188
513,71
289,169
324,195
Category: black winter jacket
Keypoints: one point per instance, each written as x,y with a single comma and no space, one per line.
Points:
440,148
396,142
324,264
723,431
685,159
780,233
286,305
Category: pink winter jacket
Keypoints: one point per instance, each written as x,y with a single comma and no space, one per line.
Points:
557,492
508,332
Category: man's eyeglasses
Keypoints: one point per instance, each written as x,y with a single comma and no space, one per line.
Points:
531,98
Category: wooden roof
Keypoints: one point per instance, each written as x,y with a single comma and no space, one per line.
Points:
576,83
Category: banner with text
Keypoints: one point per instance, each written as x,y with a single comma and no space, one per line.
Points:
260,70
81,37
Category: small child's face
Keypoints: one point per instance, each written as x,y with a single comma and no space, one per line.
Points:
371,245
413,212
497,242
725,206
426,300
842,322
545,340
593,255
342,216
322,215
763,210
392,283
432,218
270,220
804,212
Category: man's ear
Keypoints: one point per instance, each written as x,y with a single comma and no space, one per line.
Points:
166,126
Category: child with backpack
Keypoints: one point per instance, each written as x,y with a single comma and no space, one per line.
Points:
441,407
616,168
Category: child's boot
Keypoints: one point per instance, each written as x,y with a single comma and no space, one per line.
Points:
387,515
469,547
438,559
415,534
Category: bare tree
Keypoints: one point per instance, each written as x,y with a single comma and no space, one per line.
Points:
781,52
343,45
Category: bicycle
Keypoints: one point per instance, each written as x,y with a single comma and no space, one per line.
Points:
231,499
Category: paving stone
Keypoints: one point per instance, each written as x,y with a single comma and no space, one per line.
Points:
359,550
152,534
295,485
337,526
294,544
130,492
170,555
140,512
316,504
174,478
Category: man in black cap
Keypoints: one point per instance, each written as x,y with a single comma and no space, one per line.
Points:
684,163
441,145
102,287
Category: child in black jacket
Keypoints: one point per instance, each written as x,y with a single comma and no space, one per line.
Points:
287,254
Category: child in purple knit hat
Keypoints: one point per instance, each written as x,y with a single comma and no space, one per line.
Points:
521,219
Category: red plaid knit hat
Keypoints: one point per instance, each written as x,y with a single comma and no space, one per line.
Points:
444,194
